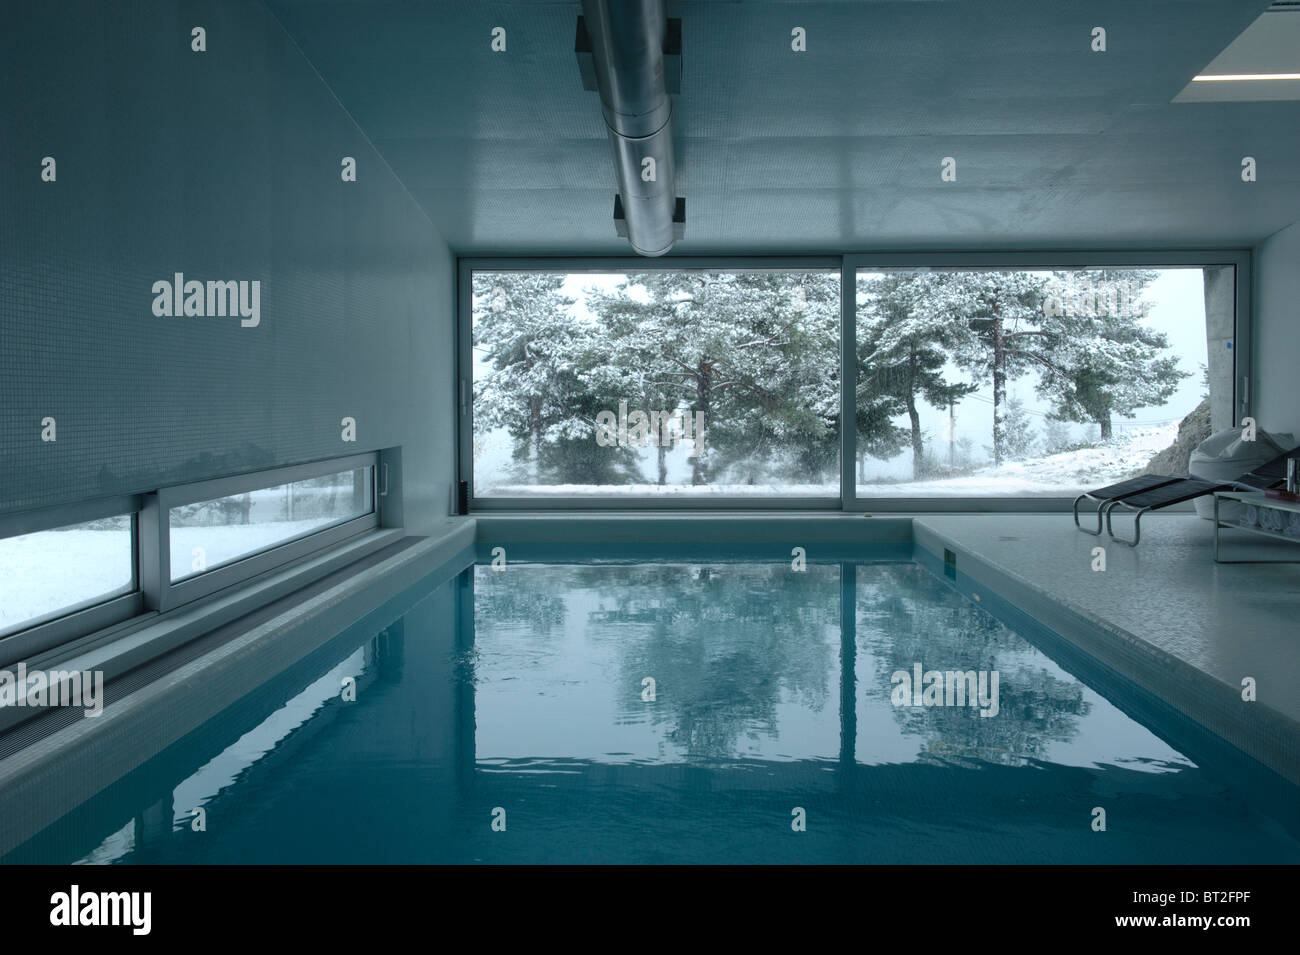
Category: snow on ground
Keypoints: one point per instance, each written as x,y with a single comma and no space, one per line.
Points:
1066,473
224,543
664,490
50,571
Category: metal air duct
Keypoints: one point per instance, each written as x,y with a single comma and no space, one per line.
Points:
630,52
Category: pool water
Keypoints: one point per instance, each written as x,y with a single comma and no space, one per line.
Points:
664,711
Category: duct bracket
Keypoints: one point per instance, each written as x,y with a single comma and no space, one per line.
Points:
679,218
672,56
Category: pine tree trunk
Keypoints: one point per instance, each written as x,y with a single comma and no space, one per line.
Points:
999,389
918,448
663,464
703,392
1104,421
534,440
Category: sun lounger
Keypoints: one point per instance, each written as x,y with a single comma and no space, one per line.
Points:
1163,491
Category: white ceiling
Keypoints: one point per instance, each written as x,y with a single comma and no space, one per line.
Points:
839,147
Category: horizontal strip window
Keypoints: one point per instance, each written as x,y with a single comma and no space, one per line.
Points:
212,533
73,570
50,573
200,538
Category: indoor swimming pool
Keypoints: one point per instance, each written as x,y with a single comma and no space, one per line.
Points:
688,708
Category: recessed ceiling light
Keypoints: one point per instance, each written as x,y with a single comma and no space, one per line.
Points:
1261,64
1232,77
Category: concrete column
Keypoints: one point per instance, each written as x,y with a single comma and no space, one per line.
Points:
1220,293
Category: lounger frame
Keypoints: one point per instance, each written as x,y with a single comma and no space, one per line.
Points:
1104,503
1137,522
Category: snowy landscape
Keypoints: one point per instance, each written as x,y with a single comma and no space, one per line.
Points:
970,384
1066,473
1063,474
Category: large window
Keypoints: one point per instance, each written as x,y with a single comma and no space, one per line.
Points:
667,383
1033,382
987,381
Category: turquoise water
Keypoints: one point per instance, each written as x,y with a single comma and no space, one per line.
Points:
520,698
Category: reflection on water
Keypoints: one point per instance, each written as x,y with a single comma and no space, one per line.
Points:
906,617
666,712
743,659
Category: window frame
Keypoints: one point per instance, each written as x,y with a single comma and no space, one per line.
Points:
848,265
39,637
611,502
154,540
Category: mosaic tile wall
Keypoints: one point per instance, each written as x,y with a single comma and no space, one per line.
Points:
224,165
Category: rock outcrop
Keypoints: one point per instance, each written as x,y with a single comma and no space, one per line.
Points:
1193,429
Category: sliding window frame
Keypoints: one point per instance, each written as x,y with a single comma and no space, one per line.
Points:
466,267
154,547
1238,259
848,264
